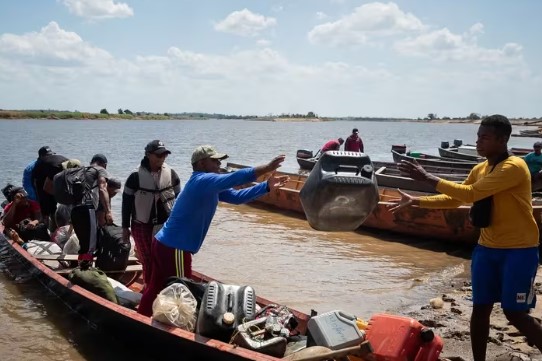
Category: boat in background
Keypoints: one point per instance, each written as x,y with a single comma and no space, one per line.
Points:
393,167
306,159
451,225
392,178
432,160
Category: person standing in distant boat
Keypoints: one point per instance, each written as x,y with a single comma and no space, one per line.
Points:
147,200
534,162
334,144
505,261
186,228
353,142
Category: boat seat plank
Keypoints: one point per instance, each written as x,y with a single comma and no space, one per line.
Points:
65,257
132,268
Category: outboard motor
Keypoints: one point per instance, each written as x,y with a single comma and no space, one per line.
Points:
445,145
305,154
458,143
340,192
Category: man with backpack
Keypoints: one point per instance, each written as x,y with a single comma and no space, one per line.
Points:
85,188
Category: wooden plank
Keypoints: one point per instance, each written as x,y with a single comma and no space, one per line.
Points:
132,268
65,257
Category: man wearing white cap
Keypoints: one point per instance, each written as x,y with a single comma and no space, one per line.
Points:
184,231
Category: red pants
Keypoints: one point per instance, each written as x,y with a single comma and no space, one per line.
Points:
142,234
166,262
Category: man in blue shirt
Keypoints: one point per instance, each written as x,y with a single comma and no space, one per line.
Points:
184,231
27,181
534,162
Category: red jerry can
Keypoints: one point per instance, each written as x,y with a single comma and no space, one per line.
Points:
398,338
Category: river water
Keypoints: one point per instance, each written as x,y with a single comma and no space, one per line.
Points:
276,253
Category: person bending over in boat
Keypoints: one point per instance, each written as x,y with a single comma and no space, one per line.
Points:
333,144
534,162
114,186
354,142
149,193
505,261
184,231
47,166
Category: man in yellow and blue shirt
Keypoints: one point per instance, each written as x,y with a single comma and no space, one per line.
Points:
505,261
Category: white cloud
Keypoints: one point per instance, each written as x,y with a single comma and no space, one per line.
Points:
56,68
98,9
443,45
263,42
321,15
245,23
369,20
52,46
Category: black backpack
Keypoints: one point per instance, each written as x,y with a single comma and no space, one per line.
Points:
73,184
113,252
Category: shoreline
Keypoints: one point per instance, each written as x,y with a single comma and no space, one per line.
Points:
515,122
66,115
452,324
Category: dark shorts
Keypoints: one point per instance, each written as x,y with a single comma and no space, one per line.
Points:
505,276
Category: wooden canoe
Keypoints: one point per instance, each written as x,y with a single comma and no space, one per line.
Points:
455,153
392,166
135,328
392,178
452,225
433,161
306,163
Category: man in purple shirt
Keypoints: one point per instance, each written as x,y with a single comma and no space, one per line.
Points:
184,231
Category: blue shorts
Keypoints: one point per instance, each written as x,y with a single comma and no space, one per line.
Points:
505,276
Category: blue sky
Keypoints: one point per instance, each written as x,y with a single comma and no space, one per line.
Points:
332,57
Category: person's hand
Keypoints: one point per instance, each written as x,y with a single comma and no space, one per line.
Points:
275,163
108,217
275,181
18,198
405,201
32,224
413,170
126,235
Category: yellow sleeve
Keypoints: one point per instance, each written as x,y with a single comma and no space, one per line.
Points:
445,201
506,175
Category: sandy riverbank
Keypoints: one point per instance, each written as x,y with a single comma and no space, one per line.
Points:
452,323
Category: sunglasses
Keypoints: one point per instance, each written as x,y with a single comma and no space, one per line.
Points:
163,155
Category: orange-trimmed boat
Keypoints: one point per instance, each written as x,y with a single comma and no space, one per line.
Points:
451,225
167,342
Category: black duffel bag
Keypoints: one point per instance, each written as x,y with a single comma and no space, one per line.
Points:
112,253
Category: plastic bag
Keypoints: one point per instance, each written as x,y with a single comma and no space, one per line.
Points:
126,296
176,306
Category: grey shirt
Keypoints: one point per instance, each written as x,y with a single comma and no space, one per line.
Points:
92,177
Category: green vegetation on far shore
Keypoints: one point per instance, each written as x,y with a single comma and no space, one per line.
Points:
310,116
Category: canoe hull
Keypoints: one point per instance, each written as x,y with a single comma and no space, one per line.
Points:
125,323
454,153
306,163
397,157
446,224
